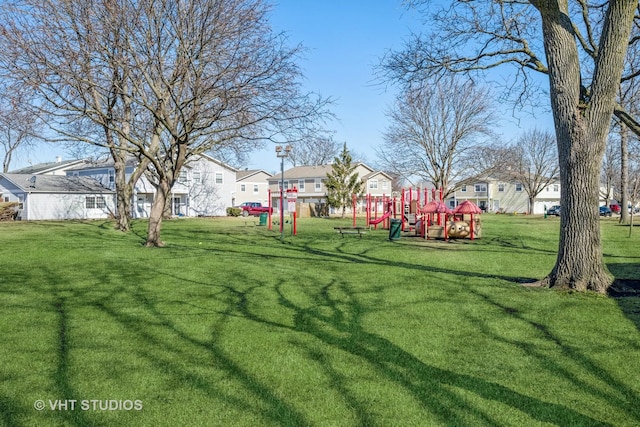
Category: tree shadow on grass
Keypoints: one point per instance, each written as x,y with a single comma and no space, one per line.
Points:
431,386
63,371
10,412
626,289
178,342
609,388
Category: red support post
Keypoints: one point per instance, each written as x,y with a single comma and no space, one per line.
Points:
402,200
281,209
270,208
295,228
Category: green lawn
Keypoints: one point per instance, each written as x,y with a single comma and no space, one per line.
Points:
228,326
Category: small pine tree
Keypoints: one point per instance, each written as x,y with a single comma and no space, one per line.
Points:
342,181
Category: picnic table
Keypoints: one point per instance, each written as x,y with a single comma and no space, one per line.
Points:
351,230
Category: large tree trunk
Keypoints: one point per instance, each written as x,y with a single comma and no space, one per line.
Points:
156,214
582,120
580,265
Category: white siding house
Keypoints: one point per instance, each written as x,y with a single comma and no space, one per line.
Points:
49,197
204,187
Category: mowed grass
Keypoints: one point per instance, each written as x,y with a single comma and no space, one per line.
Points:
229,326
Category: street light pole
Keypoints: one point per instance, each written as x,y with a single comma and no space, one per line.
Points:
282,154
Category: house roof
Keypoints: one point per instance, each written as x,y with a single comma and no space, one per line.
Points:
320,171
34,183
101,163
132,161
374,173
244,174
42,168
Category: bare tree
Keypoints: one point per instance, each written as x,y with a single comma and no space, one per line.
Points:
578,46
434,129
162,80
629,96
19,126
536,162
317,149
213,74
633,185
73,54
610,173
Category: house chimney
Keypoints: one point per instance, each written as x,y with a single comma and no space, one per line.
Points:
58,159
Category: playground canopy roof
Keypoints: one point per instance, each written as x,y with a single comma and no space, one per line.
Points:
436,207
467,207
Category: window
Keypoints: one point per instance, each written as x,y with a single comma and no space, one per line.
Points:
556,187
384,185
182,177
112,177
301,185
255,189
480,188
500,187
318,184
90,202
286,185
243,188
197,177
373,184
518,187
218,177
463,189
100,202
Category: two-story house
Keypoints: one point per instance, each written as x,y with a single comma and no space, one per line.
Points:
204,187
310,183
251,186
496,195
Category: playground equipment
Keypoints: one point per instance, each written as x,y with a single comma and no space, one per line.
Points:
384,217
472,228
438,221
424,212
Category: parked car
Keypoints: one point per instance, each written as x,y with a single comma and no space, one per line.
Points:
554,210
615,209
254,208
605,211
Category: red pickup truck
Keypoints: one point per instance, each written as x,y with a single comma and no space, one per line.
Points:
254,208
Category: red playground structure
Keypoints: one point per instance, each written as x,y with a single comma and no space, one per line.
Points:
423,212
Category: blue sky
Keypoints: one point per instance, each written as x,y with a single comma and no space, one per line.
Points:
345,40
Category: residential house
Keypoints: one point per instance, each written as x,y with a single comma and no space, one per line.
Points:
55,197
251,186
496,195
309,181
204,187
